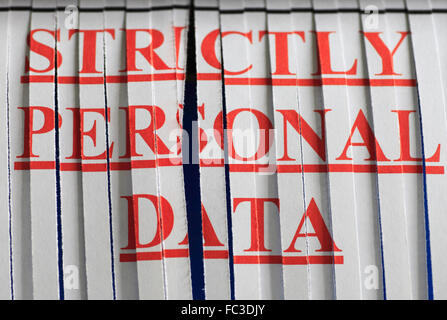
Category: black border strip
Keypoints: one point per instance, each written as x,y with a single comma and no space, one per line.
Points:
98,9
225,11
338,10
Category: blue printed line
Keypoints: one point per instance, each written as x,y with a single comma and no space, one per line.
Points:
60,261
11,268
426,218
109,193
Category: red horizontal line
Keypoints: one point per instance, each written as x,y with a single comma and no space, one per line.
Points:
355,168
313,260
209,76
212,162
280,168
310,82
249,167
30,165
359,168
215,254
145,77
285,260
157,255
176,253
97,167
323,81
100,79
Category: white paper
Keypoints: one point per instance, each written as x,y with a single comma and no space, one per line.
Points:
212,170
342,186
43,182
5,274
98,257
257,266
120,180
20,179
349,207
401,209
73,244
426,42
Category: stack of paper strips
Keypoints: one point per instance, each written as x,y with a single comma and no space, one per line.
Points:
223,149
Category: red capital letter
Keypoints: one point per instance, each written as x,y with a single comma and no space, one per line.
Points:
321,231
147,52
148,134
208,49
43,50
165,220
48,125
210,238
89,48
305,130
404,135
324,67
177,36
282,50
385,54
369,140
79,133
264,124
257,220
